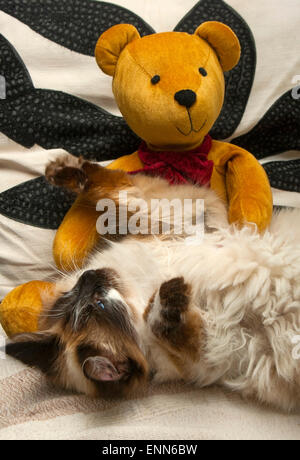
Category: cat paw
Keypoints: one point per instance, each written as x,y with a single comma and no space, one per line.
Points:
67,172
166,307
174,299
174,322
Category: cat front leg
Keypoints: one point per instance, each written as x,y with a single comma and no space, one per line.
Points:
168,306
80,175
175,323
67,171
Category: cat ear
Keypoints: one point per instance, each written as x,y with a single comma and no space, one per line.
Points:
223,40
39,350
102,370
110,45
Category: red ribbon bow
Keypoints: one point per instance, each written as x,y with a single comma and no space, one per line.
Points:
178,167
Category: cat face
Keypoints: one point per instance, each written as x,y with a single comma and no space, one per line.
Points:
94,341
90,343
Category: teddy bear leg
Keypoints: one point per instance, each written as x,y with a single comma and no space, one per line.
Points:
20,309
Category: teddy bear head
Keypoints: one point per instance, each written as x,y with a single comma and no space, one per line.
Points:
169,86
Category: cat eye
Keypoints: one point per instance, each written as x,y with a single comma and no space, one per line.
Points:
155,79
203,71
100,304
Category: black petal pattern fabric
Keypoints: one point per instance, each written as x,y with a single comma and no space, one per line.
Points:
36,203
284,175
17,78
54,119
278,131
75,24
239,80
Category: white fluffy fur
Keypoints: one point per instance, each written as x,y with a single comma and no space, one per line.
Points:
246,287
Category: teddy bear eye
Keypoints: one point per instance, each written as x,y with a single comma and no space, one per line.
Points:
155,79
203,71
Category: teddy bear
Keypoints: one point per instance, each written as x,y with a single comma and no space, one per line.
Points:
170,89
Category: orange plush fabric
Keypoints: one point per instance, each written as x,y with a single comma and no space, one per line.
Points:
170,89
20,310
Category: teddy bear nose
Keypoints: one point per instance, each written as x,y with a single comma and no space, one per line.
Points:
186,97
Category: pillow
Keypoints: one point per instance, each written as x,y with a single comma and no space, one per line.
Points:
50,57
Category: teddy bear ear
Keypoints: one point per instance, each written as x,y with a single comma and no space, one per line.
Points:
223,40
110,45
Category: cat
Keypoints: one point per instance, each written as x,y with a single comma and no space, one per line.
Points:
224,311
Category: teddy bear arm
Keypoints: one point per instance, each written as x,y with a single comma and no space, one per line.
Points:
76,237
248,190
127,163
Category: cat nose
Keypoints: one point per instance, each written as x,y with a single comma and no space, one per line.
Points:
87,281
89,276
186,97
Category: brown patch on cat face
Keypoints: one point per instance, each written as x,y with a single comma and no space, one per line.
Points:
90,344
100,361
114,369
